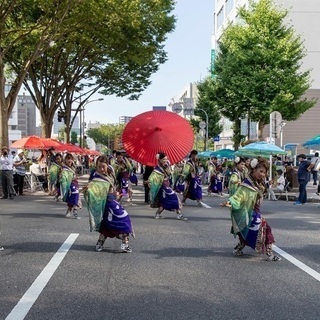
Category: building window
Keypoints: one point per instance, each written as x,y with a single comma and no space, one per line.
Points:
229,6
220,17
214,23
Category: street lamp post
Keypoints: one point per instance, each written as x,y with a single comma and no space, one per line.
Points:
282,124
82,125
207,126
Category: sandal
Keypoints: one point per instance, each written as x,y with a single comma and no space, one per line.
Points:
273,258
237,252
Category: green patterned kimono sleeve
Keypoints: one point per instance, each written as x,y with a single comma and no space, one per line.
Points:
95,196
155,182
54,173
187,171
66,179
242,204
233,184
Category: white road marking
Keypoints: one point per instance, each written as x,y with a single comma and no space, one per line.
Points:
297,263
204,205
29,298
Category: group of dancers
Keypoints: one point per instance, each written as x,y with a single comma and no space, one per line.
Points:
110,181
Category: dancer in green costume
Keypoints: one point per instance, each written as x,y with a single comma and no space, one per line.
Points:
247,222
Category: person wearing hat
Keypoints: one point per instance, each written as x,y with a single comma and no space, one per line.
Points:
6,166
279,187
303,178
19,161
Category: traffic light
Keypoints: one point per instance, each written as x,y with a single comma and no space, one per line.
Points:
60,115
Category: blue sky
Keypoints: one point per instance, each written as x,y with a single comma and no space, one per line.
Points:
188,48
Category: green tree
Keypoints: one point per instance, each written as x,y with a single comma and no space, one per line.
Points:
61,134
106,134
210,108
108,46
27,29
257,69
74,137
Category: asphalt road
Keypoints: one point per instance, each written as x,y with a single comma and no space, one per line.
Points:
177,270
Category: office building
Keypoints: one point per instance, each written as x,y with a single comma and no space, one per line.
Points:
124,119
26,112
304,16
185,102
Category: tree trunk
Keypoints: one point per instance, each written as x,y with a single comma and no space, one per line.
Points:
45,129
46,124
237,137
4,134
248,124
67,134
260,130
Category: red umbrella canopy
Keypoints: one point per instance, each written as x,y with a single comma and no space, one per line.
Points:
151,132
91,152
68,147
30,142
51,143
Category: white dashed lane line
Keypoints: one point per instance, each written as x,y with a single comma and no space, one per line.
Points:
297,263
29,298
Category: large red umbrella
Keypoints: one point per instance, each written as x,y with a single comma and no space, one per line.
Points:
90,152
151,132
68,147
30,142
51,143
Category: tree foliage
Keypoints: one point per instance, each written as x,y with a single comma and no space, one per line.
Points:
27,28
106,134
74,137
103,45
206,103
257,68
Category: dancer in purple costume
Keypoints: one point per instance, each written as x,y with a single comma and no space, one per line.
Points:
161,194
123,168
193,188
106,214
70,186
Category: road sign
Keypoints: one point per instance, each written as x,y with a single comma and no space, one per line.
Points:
177,107
202,124
275,123
159,108
202,132
216,138
188,103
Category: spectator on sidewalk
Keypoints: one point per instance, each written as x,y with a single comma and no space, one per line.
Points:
36,169
6,166
19,162
303,178
278,187
313,167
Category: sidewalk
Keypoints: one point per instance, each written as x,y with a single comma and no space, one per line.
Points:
311,194
292,195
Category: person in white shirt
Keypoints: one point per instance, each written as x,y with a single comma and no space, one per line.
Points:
279,187
315,162
19,162
6,166
36,169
